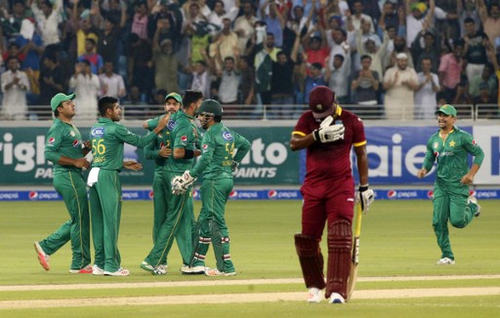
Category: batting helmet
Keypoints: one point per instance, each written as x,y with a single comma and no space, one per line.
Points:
210,106
321,100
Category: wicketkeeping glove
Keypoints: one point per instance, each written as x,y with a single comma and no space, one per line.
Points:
180,184
366,196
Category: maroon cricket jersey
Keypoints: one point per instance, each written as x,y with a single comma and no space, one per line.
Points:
330,160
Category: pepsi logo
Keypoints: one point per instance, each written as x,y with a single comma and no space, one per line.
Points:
51,140
184,138
272,194
472,192
196,194
76,143
430,194
33,195
151,194
391,194
233,194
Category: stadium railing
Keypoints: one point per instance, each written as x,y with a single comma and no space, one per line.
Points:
270,112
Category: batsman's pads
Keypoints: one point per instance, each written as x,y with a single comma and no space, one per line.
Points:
327,132
339,257
311,260
366,196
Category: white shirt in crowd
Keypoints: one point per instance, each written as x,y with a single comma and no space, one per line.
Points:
425,98
14,104
48,25
112,85
86,89
228,88
201,82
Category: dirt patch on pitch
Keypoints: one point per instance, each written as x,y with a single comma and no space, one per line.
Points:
244,298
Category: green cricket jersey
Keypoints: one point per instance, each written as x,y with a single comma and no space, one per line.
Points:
452,155
151,151
184,134
218,145
63,139
108,138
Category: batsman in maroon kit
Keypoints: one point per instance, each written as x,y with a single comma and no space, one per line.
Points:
328,132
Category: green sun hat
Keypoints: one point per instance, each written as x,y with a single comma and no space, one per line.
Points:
177,97
58,99
447,109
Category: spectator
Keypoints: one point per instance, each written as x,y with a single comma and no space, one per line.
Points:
15,84
86,86
247,84
264,67
399,47
400,83
201,79
229,82
83,29
11,23
337,72
450,68
416,20
491,21
48,16
94,59
225,44
274,20
474,50
140,20
166,66
337,42
487,78
13,51
369,46
467,10
140,65
244,25
365,85
389,17
282,85
52,79
111,83
431,50
219,13
316,78
358,16
425,94
316,47
109,40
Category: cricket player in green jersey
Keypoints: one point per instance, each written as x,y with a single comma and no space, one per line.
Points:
180,218
65,149
215,166
159,151
107,138
450,147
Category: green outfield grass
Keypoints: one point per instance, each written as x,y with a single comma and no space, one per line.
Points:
397,239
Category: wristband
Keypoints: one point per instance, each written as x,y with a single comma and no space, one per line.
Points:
316,134
188,154
363,187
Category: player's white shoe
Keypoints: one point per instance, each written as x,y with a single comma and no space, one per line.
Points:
96,270
43,258
160,270
120,272
216,272
314,296
86,270
194,270
336,298
472,199
147,267
445,261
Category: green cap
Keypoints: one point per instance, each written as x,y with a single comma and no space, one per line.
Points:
210,106
58,99
175,96
447,109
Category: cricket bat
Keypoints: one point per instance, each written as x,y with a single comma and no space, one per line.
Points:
355,251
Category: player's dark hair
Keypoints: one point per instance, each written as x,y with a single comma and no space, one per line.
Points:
190,97
56,112
217,119
105,103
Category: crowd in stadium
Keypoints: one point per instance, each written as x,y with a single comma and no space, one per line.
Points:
396,53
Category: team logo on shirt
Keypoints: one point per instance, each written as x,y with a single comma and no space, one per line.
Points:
51,140
171,125
97,132
184,139
204,147
76,143
452,143
227,136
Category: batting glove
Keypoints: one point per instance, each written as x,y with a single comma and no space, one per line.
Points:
329,133
366,196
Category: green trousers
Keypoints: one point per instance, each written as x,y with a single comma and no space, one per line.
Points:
71,186
212,226
450,203
105,207
177,223
161,192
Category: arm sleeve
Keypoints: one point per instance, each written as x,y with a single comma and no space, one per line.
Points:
129,137
152,123
473,148
207,153
52,143
150,151
183,137
302,128
243,146
358,133
429,157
